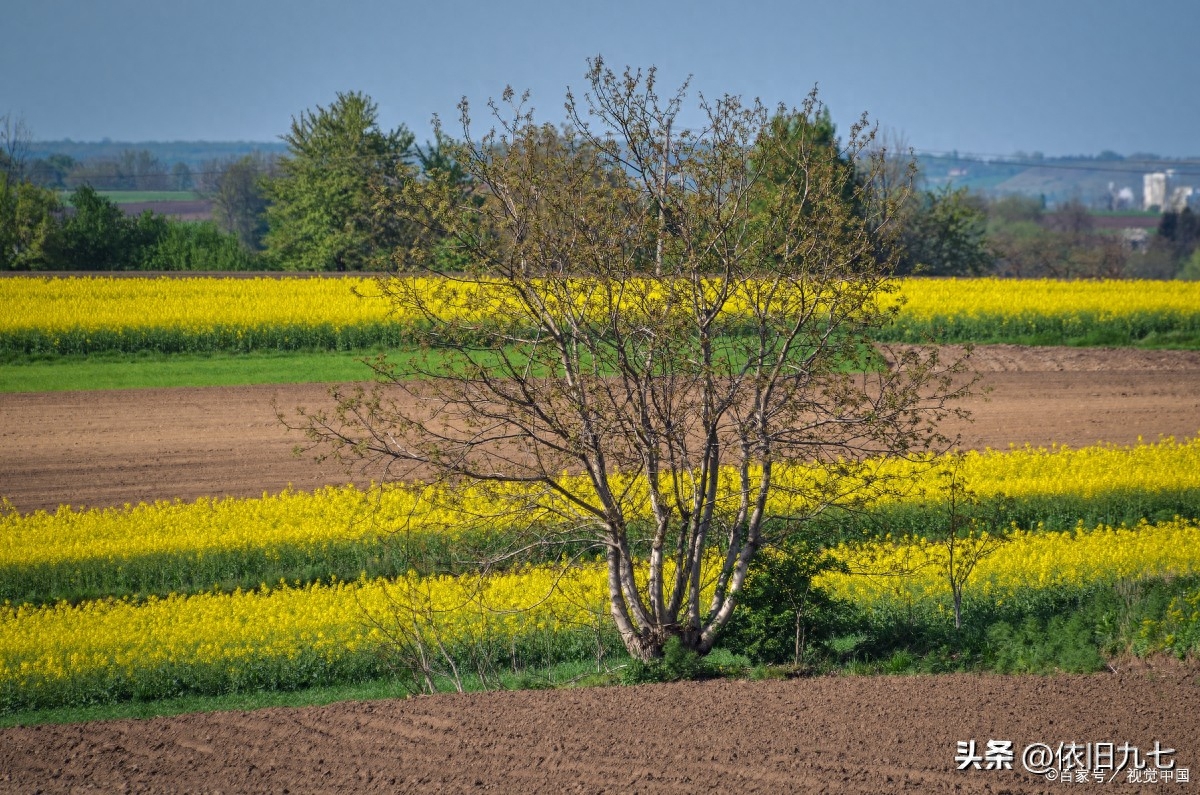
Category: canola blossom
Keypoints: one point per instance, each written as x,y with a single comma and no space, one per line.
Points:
212,642
312,520
346,514
93,314
290,635
1103,300
194,304
1046,311
1092,471
104,314
911,570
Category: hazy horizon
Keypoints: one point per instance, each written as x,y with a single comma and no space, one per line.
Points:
1060,78
1031,157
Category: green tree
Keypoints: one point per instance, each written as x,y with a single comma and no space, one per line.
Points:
97,235
815,134
28,213
782,614
1191,268
437,162
141,170
322,213
196,245
946,235
650,412
790,133
876,182
1021,243
146,233
29,228
1179,233
438,165
51,172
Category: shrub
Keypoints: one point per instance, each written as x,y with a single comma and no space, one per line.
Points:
677,664
782,615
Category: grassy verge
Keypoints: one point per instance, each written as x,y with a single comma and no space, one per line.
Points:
133,371
1073,630
567,674
54,372
72,372
1148,330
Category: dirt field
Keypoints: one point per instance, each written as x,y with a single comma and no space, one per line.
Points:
830,734
836,734
113,447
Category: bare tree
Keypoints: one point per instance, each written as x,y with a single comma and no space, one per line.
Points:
659,323
968,535
239,197
15,139
421,647
897,167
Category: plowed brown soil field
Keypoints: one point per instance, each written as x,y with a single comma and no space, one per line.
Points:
830,734
112,447
827,734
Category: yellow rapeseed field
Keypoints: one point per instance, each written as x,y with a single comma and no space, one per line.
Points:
98,643
43,649
199,304
341,515
913,570
94,303
1105,299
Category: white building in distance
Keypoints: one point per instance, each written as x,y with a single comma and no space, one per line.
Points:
1154,190
1160,192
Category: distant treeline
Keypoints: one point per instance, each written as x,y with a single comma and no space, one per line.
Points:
38,234
311,202
163,168
193,154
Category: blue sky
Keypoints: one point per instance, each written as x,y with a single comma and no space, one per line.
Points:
1053,76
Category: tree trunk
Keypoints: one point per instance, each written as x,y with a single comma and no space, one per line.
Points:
798,652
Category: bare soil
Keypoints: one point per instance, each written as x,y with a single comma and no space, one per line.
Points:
108,448
827,734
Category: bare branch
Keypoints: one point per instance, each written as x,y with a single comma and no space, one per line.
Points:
659,329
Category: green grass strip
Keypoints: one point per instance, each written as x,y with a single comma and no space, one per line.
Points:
50,371
573,673
136,371
261,699
228,338
1164,329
